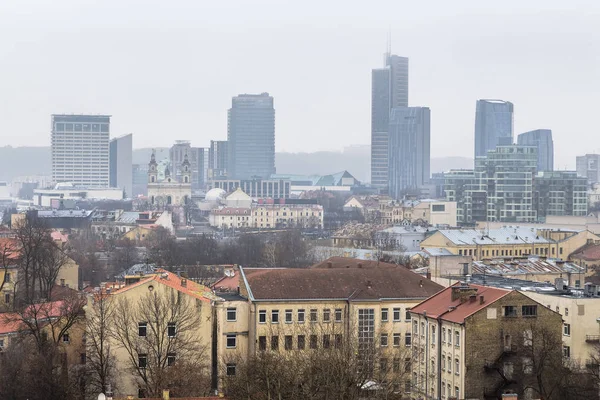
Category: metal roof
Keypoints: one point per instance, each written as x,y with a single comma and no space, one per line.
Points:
531,265
507,235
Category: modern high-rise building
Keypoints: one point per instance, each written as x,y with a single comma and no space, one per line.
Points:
588,166
121,164
217,159
251,137
493,125
542,140
389,89
80,149
409,149
197,157
560,193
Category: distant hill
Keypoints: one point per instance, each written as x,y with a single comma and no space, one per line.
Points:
19,161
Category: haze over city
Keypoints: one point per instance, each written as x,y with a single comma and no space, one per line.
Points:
169,71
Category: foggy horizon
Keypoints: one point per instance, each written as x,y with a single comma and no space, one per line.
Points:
170,73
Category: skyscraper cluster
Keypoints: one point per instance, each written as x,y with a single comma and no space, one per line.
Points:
400,135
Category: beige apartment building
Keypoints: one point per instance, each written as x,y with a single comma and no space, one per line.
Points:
268,216
321,307
473,342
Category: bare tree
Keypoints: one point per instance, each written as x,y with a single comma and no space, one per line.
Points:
100,359
169,353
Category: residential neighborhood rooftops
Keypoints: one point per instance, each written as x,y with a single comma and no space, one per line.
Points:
516,235
352,284
346,262
588,253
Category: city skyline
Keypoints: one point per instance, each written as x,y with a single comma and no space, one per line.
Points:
447,73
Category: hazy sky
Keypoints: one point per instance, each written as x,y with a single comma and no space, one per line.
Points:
167,70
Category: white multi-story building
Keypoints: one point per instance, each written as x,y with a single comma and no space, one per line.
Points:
80,149
268,216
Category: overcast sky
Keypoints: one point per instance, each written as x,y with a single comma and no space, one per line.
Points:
167,70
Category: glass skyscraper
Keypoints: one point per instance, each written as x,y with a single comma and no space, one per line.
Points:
409,149
493,125
389,89
121,170
251,137
542,139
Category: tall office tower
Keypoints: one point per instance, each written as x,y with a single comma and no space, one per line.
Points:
409,149
217,159
588,166
251,136
80,152
542,140
493,125
200,156
121,164
389,89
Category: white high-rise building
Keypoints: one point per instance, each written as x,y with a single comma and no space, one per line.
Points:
121,164
80,149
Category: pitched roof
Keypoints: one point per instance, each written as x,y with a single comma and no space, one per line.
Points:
588,253
346,262
439,304
519,266
472,237
10,323
336,283
171,280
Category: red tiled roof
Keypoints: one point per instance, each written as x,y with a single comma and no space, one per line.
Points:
338,283
173,281
10,323
228,282
588,253
439,304
346,262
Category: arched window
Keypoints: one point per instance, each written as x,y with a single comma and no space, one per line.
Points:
168,199
152,179
169,180
152,197
186,179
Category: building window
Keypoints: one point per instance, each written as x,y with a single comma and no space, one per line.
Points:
262,316
65,338
443,362
288,316
301,315
313,341
326,315
326,341
275,316
7,277
262,343
510,311
433,334
422,329
288,342
142,360
415,328
529,311
301,342
566,352
171,330
274,342
443,335
449,365
396,365
338,315
142,328
528,338
407,339
383,365
170,359
396,339
566,312
230,369
407,316
456,367
383,340
313,315
457,339
7,298
231,341
396,315
231,314
567,329
338,341
384,315
456,392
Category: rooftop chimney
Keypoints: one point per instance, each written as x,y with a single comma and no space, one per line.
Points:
472,298
428,275
481,299
420,282
184,282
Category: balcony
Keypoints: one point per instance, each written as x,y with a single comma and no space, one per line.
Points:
592,338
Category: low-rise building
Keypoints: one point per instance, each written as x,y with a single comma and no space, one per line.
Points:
114,224
268,216
53,198
255,188
510,242
475,342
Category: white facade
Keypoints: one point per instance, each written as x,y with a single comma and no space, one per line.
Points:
268,216
44,197
170,190
80,149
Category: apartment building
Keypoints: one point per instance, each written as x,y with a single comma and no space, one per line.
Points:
475,342
322,307
268,216
511,241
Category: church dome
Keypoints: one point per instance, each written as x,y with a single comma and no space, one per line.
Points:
215,195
